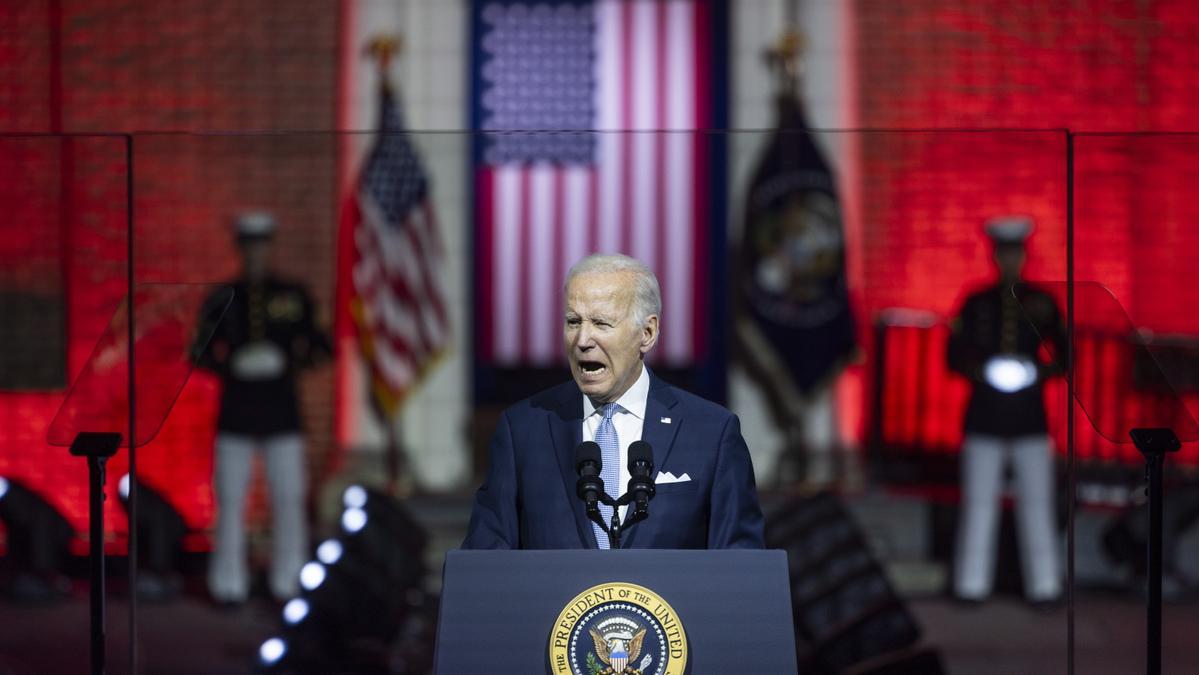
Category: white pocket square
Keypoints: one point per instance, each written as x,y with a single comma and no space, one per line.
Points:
666,477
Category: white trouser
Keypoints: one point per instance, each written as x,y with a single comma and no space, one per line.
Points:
983,460
228,573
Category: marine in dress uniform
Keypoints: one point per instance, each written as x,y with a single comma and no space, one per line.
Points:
267,336
994,344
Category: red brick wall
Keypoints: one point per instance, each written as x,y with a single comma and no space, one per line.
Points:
1098,66
87,66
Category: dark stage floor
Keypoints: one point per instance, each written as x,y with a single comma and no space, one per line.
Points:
188,636
1002,637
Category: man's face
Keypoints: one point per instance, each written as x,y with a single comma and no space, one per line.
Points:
255,254
1009,259
604,344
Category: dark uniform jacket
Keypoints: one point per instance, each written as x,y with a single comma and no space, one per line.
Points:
274,311
992,322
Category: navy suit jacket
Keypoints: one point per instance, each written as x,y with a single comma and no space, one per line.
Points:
528,500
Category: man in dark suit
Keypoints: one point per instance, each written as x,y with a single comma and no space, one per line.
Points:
706,496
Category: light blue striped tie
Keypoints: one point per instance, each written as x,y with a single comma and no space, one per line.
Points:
609,444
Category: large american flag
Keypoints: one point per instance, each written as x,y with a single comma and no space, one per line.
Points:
398,298
639,70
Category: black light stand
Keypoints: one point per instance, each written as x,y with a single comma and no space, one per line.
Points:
97,447
1154,444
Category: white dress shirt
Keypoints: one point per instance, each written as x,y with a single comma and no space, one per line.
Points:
629,422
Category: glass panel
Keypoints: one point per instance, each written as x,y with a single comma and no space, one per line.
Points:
953,487
240,461
165,347
63,272
1133,236
1119,382
273,483
816,298
858,473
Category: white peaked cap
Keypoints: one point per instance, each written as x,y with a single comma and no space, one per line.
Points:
254,224
1009,229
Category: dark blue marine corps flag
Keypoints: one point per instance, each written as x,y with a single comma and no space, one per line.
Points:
795,328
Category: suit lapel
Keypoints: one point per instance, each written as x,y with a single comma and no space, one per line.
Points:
566,430
661,425
662,421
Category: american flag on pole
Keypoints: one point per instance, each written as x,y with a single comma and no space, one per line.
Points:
397,295
623,84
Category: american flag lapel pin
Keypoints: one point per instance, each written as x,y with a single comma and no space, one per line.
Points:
665,420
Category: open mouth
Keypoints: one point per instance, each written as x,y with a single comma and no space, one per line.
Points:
592,368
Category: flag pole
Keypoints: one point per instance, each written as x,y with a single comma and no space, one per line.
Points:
382,49
783,59
798,387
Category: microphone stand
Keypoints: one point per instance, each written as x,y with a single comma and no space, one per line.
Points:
594,515
613,528
590,488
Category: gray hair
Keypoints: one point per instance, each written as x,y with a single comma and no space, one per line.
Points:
647,295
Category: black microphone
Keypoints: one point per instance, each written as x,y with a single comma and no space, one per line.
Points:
588,462
641,471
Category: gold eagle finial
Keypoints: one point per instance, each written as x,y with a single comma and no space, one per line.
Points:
382,48
784,58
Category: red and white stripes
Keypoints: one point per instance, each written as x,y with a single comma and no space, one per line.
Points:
644,195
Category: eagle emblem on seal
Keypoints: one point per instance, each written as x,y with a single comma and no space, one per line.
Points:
617,646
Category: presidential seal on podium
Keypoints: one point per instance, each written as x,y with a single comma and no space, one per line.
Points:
618,628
